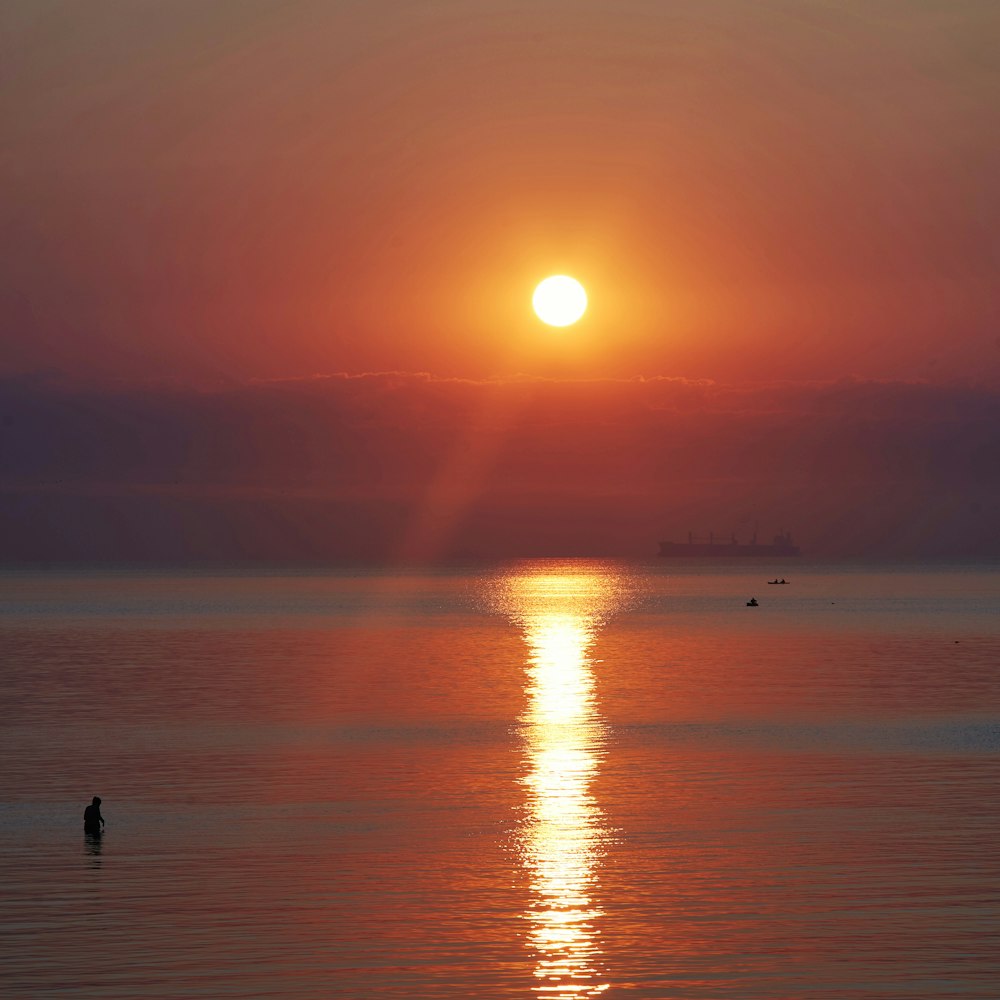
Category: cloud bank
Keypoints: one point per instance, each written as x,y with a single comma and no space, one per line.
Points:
398,467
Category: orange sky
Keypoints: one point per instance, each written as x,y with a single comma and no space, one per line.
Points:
248,188
268,268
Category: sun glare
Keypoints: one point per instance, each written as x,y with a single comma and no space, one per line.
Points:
559,300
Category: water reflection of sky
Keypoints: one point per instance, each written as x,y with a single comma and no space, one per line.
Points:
565,833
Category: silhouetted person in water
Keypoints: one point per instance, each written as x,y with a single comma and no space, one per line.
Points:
93,821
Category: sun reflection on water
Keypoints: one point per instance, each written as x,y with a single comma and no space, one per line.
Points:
565,834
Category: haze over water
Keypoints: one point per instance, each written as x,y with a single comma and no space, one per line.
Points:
554,779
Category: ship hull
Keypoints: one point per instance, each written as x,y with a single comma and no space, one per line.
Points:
698,550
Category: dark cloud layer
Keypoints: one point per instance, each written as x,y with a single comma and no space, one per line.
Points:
399,466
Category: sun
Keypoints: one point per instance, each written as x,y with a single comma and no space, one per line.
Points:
559,300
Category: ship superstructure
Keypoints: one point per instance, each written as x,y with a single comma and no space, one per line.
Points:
726,546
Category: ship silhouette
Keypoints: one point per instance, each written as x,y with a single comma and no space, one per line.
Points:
723,547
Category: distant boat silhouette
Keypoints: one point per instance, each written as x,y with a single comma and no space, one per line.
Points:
781,582
752,603
714,547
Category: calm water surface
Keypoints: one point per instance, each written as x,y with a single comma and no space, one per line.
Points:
551,779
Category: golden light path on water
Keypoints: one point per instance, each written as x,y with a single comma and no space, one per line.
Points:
560,612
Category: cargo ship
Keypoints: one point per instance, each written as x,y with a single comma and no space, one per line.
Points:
718,546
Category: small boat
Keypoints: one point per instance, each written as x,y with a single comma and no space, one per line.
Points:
781,582
752,603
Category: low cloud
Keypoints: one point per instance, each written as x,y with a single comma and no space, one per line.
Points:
398,465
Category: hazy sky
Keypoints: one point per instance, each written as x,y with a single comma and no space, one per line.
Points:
750,190
416,467
267,269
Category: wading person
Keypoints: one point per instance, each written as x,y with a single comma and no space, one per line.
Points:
93,821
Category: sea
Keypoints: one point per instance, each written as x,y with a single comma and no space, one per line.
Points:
552,779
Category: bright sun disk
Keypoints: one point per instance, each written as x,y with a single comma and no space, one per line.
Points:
559,300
